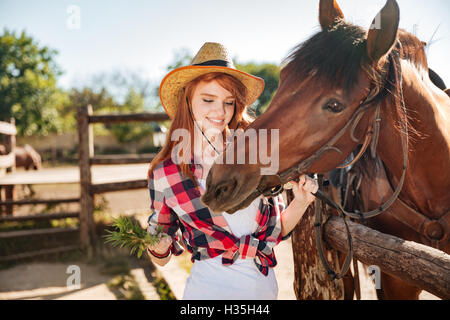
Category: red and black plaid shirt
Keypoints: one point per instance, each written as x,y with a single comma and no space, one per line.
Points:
175,204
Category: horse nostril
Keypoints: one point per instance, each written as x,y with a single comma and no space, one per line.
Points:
223,189
220,190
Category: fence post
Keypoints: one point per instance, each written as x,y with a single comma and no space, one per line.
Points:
85,153
311,280
10,145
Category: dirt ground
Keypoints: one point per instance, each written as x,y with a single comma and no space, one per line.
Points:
42,280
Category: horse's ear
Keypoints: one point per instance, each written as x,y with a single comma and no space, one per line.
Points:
383,31
329,12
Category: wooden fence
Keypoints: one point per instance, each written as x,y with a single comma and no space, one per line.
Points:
88,189
417,264
414,263
86,159
7,165
8,161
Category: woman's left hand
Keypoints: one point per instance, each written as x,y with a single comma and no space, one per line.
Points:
303,190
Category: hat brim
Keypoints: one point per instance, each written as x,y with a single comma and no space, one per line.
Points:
170,90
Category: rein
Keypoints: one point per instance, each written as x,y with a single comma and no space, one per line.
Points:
372,134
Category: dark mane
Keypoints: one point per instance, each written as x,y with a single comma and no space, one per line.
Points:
337,55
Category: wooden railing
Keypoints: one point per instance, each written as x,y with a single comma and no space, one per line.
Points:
86,159
88,189
8,160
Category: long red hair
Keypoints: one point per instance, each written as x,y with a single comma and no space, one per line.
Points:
183,120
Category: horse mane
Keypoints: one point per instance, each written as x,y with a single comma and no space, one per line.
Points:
339,53
412,49
336,55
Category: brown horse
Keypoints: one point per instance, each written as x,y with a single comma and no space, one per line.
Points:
322,86
25,157
28,158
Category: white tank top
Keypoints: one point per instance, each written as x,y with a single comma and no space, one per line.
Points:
211,280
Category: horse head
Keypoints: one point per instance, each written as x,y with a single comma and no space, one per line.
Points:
32,158
323,83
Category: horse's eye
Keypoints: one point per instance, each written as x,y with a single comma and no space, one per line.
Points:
334,106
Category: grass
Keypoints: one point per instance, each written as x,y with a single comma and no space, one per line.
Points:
163,289
116,262
124,287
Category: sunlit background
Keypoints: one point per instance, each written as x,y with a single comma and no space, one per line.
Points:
145,36
58,57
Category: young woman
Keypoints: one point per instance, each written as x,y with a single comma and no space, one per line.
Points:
232,254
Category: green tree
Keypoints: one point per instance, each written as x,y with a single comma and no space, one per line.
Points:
182,57
28,89
120,81
271,75
101,102
131,132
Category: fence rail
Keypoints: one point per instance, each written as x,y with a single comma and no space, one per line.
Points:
122,159
8,160
415,263
88,189
137,117
86,158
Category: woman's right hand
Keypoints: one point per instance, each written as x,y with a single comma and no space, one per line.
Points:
163,245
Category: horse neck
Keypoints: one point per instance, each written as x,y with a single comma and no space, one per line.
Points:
427,178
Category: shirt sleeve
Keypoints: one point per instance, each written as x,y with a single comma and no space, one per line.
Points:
162,215
271,234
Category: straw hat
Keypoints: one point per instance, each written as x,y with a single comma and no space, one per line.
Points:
212,57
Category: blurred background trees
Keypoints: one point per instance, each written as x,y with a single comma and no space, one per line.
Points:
271,75
28,91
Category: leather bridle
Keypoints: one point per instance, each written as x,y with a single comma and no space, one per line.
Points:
375,97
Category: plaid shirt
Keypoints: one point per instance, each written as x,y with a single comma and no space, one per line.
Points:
175,204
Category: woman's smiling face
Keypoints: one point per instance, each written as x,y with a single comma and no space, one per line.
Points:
212,105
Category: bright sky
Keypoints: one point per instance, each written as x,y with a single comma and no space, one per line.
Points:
143,36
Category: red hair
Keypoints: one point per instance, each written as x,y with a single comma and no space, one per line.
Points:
183,120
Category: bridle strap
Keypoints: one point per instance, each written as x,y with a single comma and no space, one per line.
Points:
404,137
367,140
372,137
318,236
295,171
323,196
